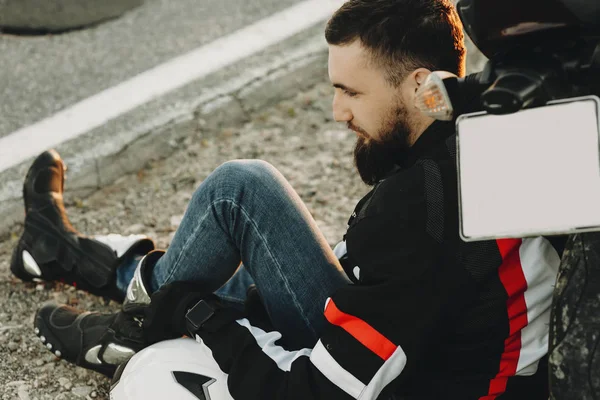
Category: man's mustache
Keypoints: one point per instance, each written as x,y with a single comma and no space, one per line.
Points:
357,129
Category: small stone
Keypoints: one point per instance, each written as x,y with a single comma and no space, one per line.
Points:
82,373
60,297
62,381
15,383
176,220
12,346
185,196
276,120
23,393
48,367
39,362
135,228
94,394
82,391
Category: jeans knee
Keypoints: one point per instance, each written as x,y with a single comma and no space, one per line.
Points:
246,171
233,178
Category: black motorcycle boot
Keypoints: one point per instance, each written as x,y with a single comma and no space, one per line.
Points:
95,341
574,348
51,249
100,342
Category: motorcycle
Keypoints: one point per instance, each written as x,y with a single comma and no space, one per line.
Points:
536,105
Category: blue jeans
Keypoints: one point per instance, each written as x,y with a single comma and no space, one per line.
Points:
245,224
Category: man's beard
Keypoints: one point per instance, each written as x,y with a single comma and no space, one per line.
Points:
375,159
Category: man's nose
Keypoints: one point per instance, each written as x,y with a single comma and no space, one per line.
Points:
341,113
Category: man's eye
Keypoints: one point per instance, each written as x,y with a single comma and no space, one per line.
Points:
350,94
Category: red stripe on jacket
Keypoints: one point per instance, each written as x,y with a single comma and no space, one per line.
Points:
360,330
514,282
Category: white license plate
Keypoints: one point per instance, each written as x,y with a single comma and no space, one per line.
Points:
535,172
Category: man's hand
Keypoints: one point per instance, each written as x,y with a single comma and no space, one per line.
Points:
164,318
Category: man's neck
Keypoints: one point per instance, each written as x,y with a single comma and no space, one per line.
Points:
419,127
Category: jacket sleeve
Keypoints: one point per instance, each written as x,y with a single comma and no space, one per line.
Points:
351,360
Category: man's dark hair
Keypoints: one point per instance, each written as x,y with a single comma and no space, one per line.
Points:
402,35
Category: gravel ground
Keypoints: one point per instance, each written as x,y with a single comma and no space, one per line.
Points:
297,136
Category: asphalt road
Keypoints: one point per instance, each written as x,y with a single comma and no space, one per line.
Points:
42,75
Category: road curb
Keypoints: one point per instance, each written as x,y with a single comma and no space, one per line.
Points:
101,156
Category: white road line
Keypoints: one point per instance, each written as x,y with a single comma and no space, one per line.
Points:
126,96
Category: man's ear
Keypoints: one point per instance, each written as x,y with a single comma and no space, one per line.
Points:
412,83
418,76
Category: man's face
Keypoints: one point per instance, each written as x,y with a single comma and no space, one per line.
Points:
371,107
